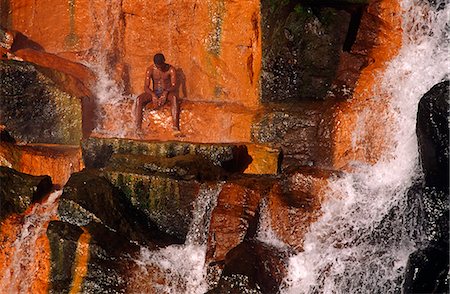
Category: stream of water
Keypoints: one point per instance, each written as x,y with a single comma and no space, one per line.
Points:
362,241
182,267
25,266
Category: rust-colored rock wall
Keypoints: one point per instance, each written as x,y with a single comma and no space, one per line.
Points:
57,162
379,37
218,56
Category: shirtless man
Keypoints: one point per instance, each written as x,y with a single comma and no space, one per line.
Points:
164,80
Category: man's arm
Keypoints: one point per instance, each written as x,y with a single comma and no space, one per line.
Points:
148,77
173,79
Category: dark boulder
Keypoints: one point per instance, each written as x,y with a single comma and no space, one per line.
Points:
88,198
108,257
41,105
98,151
19,190
165,201
302,44
302,131
263,265
432,133
427,268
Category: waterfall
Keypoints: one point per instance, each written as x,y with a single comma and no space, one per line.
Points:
182,266
362,241
26,264
114,108
265,232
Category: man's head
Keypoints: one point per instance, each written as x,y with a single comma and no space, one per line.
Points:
159,60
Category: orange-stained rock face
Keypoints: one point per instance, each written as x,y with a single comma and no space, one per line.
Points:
77,70
25,249
379,37
230,220
295,203
59,162
199,122
218,56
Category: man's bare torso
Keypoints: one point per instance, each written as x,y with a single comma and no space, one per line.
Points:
161,78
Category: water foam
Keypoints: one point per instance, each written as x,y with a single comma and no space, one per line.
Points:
24,267
183,266
363,239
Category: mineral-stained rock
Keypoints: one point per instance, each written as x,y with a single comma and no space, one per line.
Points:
301,132
201,39
295,202
57,161
432,134
265,266
166,201
235,214
63,238
301,49
181,167
97,151
19,190
35,109
88,259
89,198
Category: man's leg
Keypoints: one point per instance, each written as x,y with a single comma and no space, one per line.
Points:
175,109
141,100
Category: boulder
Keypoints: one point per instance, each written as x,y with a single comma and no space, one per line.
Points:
427,267
40,105
88,198
57,161
98,151
88,259
294,203
302,44
432,134
165,201
235,215
265,266
301,131
18,190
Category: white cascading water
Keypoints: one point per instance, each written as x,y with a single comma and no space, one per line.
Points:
111,100
21,272
183,265
265,232
362,241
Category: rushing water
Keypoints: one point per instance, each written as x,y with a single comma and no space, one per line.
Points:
364,237
25,266
182,266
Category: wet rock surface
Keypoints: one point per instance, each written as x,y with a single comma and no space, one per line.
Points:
264,265
89,198
302,132
427,269
18,190
432,134
302,45
97,152
36,110
235,215
103,267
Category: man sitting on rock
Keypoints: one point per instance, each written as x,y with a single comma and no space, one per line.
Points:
164,80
